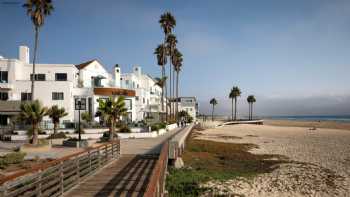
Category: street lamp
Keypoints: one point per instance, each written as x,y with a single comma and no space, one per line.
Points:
80,104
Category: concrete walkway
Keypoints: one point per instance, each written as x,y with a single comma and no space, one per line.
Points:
146,145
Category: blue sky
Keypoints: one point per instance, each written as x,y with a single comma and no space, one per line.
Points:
292,55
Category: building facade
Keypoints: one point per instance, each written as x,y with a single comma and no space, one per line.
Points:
65,84
190,105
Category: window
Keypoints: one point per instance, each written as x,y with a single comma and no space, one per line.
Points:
137,98
26,96
4,96
61,76
143,100
38,77
3,76
57,96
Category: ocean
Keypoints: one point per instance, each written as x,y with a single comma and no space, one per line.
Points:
339,118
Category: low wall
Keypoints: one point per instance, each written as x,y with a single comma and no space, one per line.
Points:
171,126
177,142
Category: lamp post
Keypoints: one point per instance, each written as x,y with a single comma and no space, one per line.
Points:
80,104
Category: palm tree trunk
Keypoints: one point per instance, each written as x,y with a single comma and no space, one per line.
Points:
174,107
34,60
235,108
55,128
112,130
35,133
162,97
170,87
249,111
251,108
231,108
177,95
212,114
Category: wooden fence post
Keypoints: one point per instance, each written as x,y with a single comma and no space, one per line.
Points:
78,169
90,168
38,186
61,177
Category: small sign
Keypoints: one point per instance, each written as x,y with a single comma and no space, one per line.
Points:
80,104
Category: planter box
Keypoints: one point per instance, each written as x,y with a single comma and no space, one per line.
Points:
76,144
28,148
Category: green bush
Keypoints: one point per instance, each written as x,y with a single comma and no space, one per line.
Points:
74,139
11,158
157,126
124,129
185,182
57,136
82,131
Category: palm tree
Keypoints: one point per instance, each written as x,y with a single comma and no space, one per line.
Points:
37,10
161,52
213,102
251,99
161,83
32,113
235,92
167,23
171,44
177,62
56,114
111,111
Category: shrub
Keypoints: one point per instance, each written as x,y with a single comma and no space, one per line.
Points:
11,158
57,136
157,126
82,131
74,139
124,129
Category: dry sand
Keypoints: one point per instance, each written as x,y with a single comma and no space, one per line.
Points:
320,167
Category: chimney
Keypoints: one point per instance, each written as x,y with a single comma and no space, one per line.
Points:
137,70
24,54
117,76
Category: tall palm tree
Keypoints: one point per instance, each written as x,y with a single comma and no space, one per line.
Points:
213,102
251,99
32,113
37,10
161,83
160,53
234,93
177,62
171,44
167,23
56,113
111,111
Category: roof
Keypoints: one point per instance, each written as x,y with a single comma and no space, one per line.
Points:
83,65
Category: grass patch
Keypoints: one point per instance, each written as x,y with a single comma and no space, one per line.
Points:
208,160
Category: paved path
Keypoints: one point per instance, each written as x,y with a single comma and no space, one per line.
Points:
127,176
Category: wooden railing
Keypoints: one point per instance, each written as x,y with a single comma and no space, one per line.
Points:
58,176
156,184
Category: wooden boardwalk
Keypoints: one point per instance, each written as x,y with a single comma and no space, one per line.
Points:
128,176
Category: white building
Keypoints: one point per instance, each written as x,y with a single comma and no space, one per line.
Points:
63,84
148,93
190,105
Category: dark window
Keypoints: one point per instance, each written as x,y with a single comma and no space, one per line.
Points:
90,105
26,96
38,77
4,96
3,76
61,76
57,96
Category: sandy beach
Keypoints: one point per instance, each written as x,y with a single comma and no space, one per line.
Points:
319,159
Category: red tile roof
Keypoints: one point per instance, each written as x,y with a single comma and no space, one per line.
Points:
83,65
